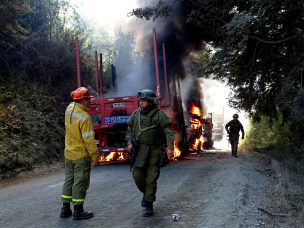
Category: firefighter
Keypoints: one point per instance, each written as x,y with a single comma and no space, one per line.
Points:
80,150
233,128
152,130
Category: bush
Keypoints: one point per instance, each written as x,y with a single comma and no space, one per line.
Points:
270,136
32,128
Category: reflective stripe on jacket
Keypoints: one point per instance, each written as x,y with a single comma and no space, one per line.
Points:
79,135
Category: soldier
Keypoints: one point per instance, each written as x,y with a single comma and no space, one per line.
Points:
80,150
151,128
233,128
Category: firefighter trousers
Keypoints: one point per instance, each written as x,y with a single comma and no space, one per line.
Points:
77,180
146,177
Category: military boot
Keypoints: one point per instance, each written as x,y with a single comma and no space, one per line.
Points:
149,209
65,211
143,202
79,213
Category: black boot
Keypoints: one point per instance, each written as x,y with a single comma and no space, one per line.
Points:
79,213
65,211
143,202
149,209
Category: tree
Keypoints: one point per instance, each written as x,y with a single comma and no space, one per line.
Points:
12,30
256,47
37,73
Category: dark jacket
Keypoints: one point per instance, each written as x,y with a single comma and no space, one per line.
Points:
233,128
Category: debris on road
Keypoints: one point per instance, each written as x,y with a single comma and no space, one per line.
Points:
175,217
269,212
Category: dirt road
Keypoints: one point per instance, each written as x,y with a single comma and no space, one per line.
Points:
206,190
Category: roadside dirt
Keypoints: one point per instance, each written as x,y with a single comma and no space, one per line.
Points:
209,189
36,172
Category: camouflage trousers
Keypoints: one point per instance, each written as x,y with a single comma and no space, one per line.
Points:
146,176
77,180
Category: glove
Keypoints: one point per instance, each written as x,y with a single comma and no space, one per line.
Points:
130,146
170,153
94,163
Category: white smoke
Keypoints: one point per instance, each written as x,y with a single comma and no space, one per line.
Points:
216,98
137,80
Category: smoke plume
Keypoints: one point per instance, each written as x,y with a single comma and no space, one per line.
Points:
180,40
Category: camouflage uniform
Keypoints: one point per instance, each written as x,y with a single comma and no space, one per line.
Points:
146,168
233,128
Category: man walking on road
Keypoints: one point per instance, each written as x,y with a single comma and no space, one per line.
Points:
151,128
233,127
80,150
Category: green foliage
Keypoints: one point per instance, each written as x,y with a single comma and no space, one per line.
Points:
262,60
37,73
270,134
257,49
12,30
31,127
161,9
47,53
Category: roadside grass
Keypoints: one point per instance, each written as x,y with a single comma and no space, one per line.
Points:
293,174
276,139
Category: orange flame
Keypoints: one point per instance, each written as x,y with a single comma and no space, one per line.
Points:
177,151
195,110
196,144
195,125
112,156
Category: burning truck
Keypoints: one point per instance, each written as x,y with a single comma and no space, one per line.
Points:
199,130
110,115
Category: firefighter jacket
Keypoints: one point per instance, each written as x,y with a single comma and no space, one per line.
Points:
152,128
233,128
79,135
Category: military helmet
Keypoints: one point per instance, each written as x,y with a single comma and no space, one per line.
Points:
148,95
235,116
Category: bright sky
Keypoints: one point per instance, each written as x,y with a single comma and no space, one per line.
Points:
216,97
110,14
